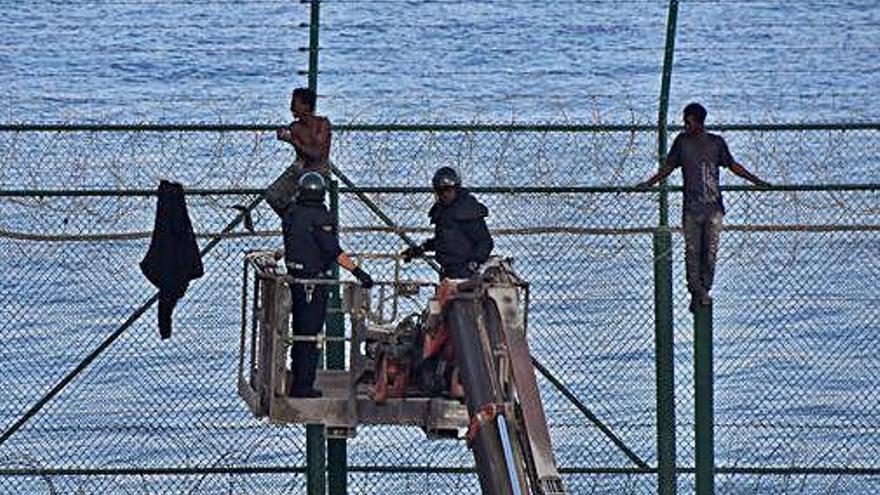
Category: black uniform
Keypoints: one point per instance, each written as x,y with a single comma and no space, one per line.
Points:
311,245
461,239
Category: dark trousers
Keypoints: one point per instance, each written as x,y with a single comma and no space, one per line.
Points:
702,232
307,319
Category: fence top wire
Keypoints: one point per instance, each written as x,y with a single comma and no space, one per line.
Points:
449,127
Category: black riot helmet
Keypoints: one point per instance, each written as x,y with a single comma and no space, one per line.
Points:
312,187
446,177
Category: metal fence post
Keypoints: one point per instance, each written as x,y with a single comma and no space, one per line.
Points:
663,332
316,455
337,459
314,25
663,110
704,407
664,362
315,460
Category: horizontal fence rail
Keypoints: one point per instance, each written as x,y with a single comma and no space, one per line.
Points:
422,190
420,128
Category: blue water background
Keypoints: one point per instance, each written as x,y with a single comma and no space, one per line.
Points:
437,60
796,316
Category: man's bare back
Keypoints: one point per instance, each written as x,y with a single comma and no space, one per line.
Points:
310,137
309,133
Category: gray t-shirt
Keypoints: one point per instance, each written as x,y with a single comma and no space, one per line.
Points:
700,156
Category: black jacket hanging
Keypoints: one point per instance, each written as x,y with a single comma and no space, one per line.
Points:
173,257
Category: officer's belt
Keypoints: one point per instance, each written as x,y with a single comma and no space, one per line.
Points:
320,339
312,274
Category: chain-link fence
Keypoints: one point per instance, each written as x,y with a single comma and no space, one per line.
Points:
94,402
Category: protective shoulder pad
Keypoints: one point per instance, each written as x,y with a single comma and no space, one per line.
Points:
468,208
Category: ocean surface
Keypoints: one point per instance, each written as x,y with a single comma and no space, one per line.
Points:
437,60
797,309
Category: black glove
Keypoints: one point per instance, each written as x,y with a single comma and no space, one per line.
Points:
412,252
363,277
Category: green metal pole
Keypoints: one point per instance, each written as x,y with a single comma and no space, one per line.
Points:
337,448
664,362
663,315
663,110
315,460
704,401
335,320
314,28
316,454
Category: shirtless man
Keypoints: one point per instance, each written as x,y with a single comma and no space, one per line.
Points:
309,133
310,136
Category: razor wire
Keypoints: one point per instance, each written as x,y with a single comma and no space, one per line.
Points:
794,286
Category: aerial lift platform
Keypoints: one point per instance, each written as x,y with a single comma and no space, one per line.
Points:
459,368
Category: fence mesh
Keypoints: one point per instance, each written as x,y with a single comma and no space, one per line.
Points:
796,309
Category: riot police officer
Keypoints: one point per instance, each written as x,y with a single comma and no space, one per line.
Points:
311,246
461,239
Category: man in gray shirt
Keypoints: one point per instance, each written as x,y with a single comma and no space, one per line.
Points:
700,155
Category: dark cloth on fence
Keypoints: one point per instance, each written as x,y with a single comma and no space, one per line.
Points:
172,259
461,238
